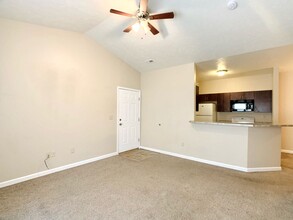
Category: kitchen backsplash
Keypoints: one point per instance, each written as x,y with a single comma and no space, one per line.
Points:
259,117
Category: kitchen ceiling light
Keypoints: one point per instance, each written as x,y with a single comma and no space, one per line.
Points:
221,72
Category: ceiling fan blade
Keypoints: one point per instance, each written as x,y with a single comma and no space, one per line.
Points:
153,29
143,5
128,29
167,15
136,27
114,11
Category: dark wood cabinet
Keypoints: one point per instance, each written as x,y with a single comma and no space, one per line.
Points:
207,98
197,97
223,102
204,98
263,101
242,95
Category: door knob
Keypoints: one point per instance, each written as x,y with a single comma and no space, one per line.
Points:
120,124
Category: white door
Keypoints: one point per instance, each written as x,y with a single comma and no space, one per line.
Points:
128,119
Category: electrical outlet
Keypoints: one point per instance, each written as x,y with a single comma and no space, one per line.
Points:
51,154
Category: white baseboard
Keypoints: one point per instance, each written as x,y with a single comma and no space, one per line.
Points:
54,170
287,151
263,169
243,169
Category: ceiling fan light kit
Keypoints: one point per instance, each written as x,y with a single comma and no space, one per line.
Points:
136,27
143,17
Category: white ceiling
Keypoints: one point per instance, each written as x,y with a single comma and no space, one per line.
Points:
201,30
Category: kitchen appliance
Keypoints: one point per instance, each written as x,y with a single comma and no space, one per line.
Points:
206,112
242,105
243,120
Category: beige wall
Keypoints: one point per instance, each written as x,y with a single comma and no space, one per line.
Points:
168,100
286,109
238,84
167,108
57,92
264,147
276,95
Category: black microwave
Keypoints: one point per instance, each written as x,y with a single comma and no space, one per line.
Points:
242,105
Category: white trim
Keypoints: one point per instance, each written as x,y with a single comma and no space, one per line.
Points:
233,167
54,170
129,89
287,151
117,114
263,169
196,159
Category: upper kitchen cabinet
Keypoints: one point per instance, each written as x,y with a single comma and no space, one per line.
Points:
263,101
196,95
242,95
223,102
207,98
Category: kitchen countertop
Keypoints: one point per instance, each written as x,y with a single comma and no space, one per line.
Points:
229,123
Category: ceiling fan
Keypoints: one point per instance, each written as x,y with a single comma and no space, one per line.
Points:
143,17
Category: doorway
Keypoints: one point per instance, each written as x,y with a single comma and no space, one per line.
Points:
128,119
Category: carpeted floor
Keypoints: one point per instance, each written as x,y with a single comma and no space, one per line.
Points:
156,187
137,155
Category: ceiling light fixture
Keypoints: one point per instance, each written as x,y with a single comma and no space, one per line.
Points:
221,72
136,26
143,18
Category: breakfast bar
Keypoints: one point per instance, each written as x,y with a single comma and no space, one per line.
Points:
249,147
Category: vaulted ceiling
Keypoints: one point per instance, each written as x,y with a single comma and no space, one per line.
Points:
201,30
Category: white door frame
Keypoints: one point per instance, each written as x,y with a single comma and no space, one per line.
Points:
117,116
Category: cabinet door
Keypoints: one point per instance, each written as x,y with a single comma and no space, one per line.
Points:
242,95
202,98
223,102
248,95
263,101
220,102
212,97
197,97
207,98
236,95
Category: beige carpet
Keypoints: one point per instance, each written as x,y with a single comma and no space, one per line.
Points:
137,155
157,187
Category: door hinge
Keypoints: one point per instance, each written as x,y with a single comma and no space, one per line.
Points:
138,139
138,119
138,98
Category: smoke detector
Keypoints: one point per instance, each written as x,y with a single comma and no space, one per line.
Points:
232,5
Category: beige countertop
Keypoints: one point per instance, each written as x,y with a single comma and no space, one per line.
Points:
229,123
